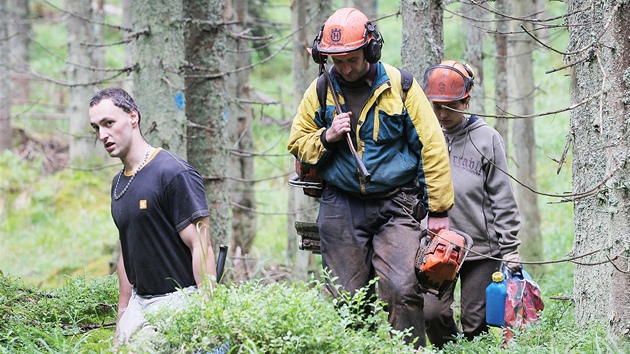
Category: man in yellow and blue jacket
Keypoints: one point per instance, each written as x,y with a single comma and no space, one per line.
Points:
371,228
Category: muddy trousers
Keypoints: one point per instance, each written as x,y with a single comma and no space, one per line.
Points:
474,277
364,238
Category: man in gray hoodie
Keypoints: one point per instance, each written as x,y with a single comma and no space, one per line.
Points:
484,207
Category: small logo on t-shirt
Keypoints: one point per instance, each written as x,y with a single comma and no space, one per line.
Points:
143,204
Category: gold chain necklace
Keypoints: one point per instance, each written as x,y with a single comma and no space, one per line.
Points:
146,158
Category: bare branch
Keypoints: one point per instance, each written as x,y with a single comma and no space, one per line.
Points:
565,196
170,84
127,39
225,73
219,178
74,84
527,19
515,116
564,152
589,56
126,29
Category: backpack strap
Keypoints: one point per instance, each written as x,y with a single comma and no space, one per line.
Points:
322,91
406,80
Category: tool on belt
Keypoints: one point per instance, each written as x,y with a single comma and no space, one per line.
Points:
439,259
307,179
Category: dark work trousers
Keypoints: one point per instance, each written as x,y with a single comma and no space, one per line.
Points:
474,276
363,238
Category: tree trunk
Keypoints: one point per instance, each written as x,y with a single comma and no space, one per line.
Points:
422,35
601,133
79,71
205,108
500,74
474,17
5,82
20,40
159,79
129,55
241,166
521,82
300,206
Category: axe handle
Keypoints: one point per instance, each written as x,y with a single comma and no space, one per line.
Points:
364,172
221,261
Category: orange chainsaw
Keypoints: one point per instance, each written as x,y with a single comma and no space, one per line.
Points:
439,259
307,179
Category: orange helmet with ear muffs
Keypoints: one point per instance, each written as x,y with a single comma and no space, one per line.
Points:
449,81
347,30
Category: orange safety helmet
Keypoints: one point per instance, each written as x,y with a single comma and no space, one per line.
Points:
347,30
449,81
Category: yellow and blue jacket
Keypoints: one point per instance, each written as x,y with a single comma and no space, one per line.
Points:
397,141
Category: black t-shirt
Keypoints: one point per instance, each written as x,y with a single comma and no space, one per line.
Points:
166,196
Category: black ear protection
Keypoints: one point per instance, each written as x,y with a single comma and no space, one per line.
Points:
469,81
317,56
371,51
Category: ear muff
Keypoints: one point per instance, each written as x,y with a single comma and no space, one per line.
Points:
318,58
469,81
372,51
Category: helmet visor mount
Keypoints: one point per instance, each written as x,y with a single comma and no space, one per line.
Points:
445,83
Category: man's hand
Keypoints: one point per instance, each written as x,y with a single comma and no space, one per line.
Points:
339,127
434,225
512,261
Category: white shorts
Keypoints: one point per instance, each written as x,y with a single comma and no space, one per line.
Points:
133,319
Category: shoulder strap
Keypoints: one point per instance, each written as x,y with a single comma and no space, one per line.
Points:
406,80
322,91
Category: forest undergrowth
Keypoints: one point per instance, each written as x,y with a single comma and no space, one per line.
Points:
252,317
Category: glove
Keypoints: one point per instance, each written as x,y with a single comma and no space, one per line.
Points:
419,211
513,261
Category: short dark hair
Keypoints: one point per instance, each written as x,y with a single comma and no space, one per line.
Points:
120,98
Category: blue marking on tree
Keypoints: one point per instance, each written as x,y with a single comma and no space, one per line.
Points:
179,100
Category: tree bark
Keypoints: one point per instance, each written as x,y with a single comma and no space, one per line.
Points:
5,82
205,108
159,80
601,133
20,40
500,74
422,35
129,47
521,82
474,52
241,163
80,72
300,206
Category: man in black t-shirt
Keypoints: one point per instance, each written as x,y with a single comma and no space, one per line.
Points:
160,209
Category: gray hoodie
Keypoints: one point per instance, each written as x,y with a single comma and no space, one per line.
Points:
485,207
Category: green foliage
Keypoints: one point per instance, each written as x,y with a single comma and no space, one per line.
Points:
254,318
554,332
55,224
58,320
277,318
